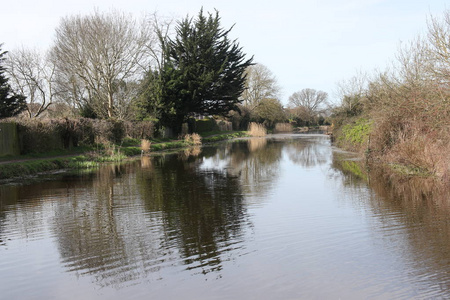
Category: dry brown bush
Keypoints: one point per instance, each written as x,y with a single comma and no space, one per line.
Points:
409,105
193,139
139,130
43,135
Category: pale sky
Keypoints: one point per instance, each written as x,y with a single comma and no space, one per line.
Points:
305,43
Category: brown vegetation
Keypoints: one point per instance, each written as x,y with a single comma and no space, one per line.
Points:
193,139
283,127
255,129
36,135
402,117
145,146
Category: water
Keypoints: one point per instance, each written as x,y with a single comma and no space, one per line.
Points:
277,218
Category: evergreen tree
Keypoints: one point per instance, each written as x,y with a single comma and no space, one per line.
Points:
11,104
203,71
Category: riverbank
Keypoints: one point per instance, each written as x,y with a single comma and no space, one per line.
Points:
389,182
91,157
404,150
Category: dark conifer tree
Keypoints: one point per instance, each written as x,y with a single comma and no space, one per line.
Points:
11,104
203,71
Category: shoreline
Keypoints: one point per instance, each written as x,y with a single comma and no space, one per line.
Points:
19,168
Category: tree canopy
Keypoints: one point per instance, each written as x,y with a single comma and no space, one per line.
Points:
203,71
11,104
308,103
261,84
98,60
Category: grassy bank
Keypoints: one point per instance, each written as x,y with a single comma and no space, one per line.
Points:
390,183
91,157
400,117
404,149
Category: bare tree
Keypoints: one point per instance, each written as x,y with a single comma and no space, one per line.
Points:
33,76
310,102
260,84
351,93
162,29
439,51
99,59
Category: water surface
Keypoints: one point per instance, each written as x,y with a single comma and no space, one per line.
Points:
275,218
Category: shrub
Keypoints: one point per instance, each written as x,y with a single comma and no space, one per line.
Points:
140,130
36,135
193,139
39,135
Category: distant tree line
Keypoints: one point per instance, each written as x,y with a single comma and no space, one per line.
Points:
112,66
261,102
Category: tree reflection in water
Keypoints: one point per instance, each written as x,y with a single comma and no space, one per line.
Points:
126,222
202,211
131,221
306,152
415,208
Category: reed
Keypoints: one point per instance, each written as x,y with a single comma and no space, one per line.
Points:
283,127
145,145
256,129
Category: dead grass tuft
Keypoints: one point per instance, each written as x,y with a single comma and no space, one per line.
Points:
193,139
145,145
255,129
283,127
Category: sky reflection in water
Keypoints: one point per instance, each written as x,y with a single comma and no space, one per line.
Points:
284,217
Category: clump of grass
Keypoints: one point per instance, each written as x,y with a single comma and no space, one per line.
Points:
193,139
283,127
256,129
145,145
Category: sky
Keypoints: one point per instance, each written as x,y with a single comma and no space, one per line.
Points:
305,43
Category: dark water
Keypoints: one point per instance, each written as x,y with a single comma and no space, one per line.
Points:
278,218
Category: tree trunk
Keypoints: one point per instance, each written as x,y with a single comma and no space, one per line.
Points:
110,105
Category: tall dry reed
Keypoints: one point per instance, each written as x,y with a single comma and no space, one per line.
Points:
283,127
256,129
145,145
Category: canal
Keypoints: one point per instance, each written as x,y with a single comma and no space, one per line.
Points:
282,217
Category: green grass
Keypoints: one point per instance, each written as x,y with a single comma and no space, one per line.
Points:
168,145
355,168
32,167
131,151
355,134
53,153
224,136
129,142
